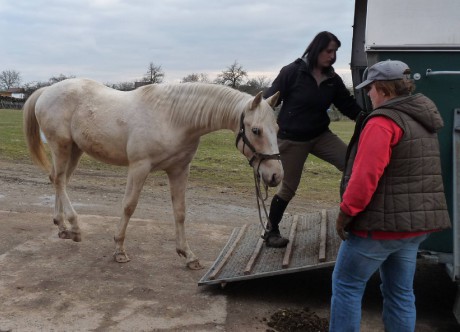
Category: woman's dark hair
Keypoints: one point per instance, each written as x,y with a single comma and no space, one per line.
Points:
317,45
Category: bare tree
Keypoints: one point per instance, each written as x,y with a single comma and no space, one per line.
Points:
259,82
154,74
30,87
255,85
233,76
122,86
198,78
9,79
61,77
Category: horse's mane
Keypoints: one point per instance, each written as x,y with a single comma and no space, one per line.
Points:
199,104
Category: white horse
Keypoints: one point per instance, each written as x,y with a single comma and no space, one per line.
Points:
155,127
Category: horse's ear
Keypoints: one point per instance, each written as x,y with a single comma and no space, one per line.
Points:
256,101
273,99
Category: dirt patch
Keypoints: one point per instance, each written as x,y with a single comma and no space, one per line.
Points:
52,284
304,320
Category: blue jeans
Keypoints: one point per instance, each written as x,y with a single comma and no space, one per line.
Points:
358,259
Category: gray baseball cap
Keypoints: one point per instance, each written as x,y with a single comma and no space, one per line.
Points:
388,70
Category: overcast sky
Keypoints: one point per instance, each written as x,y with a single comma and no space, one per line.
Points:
115,40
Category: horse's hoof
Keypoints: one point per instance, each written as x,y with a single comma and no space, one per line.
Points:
76,237
195,265
121,257
70,235
65,235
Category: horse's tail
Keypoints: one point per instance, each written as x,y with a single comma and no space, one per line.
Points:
32,132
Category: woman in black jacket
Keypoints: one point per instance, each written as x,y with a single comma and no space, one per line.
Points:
308,86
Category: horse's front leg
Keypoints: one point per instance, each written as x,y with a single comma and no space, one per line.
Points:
137,174
62,206
178,182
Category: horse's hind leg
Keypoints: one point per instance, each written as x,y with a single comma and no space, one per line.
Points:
65,157
75,156
178,182
137,174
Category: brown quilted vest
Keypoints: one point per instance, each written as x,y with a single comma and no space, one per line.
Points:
410,194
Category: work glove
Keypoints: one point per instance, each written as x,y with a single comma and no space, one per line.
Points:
342,223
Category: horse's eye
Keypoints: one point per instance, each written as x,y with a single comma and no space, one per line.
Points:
256,131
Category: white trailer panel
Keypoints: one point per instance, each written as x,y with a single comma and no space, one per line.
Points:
403,24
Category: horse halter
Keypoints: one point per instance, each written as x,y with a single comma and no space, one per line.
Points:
261,156
255,154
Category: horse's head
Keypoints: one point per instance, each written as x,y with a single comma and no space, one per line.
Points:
256,139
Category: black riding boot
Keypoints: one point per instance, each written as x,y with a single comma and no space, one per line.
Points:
273,237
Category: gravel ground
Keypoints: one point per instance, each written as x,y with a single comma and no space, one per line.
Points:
51,284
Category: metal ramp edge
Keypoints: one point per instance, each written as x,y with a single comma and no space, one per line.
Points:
313,244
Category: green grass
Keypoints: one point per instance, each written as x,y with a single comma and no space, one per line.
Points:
216,164
12,144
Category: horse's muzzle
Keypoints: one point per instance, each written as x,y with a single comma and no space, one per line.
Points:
271,171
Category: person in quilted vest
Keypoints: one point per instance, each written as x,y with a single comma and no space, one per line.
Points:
392,199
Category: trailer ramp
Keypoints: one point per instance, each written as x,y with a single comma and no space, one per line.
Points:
313,243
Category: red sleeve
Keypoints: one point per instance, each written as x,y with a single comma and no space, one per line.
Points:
377,139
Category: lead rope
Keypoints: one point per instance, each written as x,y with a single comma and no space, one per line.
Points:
260,198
